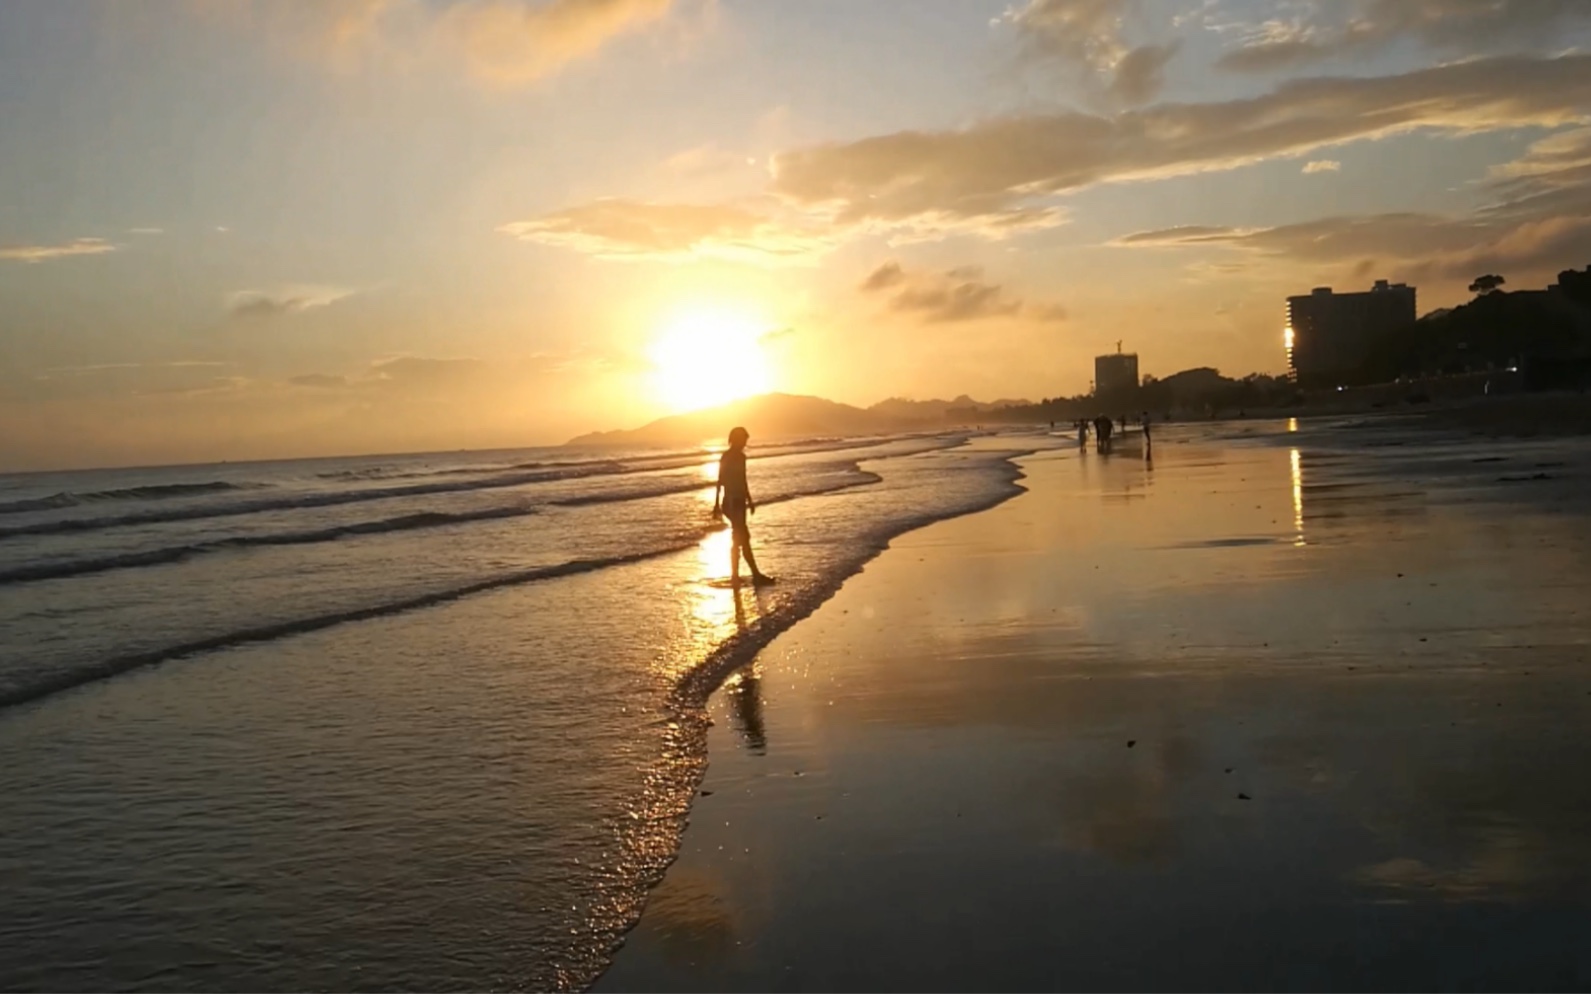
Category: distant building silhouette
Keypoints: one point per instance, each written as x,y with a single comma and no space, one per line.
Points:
1329,335
1115,375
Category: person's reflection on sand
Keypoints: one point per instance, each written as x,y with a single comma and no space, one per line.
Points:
744,691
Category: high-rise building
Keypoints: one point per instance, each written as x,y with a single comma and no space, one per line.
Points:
1330,335
1115,375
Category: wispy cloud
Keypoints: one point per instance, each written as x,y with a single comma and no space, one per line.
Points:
288,300
97,368
1354,27
630,229
952,296
146,231
1007,176
500,42
318,381
1538,221
512,42
1001,171
45,253
1090,36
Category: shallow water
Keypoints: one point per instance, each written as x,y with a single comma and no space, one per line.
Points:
408,723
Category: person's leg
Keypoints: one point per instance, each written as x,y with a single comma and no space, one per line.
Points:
745,549
737,533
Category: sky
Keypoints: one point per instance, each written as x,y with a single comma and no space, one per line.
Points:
241,229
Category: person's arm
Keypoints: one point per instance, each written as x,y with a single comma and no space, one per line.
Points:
718,488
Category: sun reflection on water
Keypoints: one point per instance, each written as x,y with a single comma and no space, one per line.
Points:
712,605
709,475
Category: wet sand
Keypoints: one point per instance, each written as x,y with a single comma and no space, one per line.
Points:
1298,711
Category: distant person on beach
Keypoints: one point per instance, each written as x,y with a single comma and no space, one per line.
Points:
1082,434
1149,442
1102,429
732,499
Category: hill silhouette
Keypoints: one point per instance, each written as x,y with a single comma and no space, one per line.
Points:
937,410
1537,329
768,417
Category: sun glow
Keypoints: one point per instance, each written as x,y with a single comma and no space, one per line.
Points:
703,358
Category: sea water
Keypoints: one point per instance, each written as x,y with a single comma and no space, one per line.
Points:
408,722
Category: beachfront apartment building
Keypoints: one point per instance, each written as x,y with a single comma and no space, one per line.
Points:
1330,335
1115,375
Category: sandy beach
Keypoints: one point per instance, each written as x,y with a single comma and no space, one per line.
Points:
1294,706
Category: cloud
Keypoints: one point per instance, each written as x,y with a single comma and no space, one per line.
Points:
114,368
1538,221
1552,179
423,373
318,381
1089,35
996,173
512,42
45,253
630,229
500,42
1003,176
888,275
289,300
1414,244
1322,166
1399,236
1361,26
1141,73
708,160
146,231
952,296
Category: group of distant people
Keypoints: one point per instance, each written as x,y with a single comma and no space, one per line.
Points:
1104,428
732,495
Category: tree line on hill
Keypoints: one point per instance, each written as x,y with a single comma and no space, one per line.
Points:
1544,333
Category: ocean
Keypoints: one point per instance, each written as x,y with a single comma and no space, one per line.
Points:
423,721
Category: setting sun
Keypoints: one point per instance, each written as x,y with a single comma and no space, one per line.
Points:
707,357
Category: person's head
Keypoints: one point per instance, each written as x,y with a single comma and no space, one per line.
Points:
738,437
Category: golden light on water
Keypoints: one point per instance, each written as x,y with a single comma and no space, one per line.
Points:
704,357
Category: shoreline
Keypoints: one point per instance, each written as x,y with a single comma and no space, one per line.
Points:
527,739
819,749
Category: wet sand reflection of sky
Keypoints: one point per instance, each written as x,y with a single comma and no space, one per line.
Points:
1041,704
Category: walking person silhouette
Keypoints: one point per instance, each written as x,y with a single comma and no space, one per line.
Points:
732,500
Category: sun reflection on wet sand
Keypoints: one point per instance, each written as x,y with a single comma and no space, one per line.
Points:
1296,460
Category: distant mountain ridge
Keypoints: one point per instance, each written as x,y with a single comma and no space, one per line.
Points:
937,410
786,416
768,417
